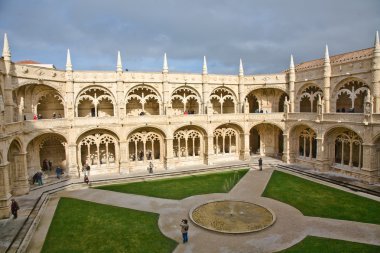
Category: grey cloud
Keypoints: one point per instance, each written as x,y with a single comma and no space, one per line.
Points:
262,33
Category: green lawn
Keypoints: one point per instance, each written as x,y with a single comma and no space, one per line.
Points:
313,244
81,226
314,199
182,187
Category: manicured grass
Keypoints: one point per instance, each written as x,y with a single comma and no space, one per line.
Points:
313,244
314,199
81,226
182,187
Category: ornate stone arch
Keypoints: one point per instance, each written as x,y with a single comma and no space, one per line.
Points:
223,100
188,142
266,139
344,148
186,99
95,101
143,99
99,148
349,95
146,144
266,100
307,97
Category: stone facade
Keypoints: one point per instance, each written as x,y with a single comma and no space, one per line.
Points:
323,113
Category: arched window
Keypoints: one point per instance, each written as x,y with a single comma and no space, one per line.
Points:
98,149
350,97
143,100
223,101
309,99
185,100
95,102
307,144
187,143
348,149
225,141
144,146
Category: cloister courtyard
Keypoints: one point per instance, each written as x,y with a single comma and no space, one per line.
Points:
143,213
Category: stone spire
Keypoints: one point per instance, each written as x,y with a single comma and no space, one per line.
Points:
165,68
327,55
241,70
291,67
377,43
119,67
204,68
69,66
6,49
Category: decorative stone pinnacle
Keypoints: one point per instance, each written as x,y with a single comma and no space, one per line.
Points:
165,68
241,70
291,62
69,66
119,67
327,55
6,49
204,68
377,43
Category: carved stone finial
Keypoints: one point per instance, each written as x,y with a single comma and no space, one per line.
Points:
119,66
204,68
241,70
165,68
6,49
291,62
69,66
327,55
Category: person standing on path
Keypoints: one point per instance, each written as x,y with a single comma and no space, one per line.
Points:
14,208
184,230
58,171
261,163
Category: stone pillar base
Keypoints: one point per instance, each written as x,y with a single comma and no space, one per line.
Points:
20,187
5,207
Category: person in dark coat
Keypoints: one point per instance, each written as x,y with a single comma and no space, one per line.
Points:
261,163
184,230
14,208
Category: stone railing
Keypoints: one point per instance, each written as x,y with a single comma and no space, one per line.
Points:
344,117
312,116
274,116
44,124
13,127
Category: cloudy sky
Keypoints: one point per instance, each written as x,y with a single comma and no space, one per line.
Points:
262,33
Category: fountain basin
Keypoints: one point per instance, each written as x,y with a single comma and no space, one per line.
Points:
235,217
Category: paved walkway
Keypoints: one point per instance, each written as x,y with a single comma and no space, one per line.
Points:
290,226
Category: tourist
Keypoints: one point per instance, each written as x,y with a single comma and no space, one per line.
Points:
35,117
86,180
261,163
14,208
39,178
45,165
59,115
54,115
88,168
184,230
150,168
50,165
58,171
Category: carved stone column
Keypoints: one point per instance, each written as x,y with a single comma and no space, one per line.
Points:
209,150
244,154
286,151
5,194
20,184
71,155
124,157
169,159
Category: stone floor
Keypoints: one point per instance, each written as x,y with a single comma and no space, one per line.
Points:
290,226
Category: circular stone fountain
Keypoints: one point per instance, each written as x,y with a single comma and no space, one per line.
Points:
228,216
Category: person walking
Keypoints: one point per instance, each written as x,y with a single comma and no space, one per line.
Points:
39,178
14,208
261,163
58,171
184,230
86,180
88,168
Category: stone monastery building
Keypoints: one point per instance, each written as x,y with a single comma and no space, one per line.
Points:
323,113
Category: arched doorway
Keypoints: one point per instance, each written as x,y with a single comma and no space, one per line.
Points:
266,139
49,148
18,179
